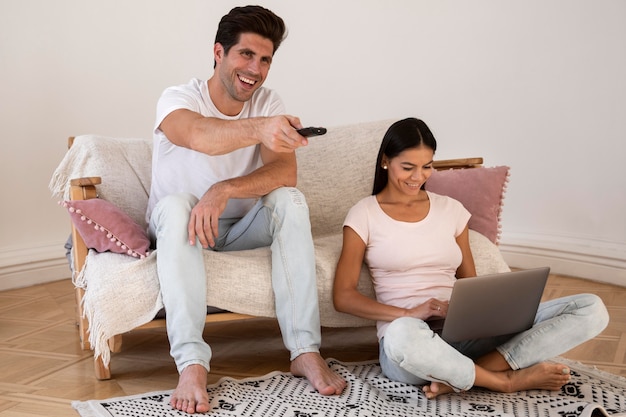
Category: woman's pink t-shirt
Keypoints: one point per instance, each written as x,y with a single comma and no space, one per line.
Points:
410,262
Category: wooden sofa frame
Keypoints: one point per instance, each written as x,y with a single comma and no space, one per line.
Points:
84,189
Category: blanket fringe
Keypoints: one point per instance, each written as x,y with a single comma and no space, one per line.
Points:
85,409
59,183
97,338
79,279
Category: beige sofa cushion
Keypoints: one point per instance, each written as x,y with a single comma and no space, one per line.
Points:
337,170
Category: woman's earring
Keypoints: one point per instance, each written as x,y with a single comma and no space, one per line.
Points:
384,166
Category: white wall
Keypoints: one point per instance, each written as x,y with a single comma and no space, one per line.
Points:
536,85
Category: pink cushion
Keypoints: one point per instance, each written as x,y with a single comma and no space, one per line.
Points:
480,190
104,227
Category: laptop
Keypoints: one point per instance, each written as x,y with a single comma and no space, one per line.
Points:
492,305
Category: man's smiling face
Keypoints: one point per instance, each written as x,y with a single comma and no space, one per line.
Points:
242,71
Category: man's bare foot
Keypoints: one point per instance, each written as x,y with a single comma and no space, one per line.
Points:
314,368
435,389
547,376
191,395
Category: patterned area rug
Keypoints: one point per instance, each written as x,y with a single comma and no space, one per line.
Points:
590,393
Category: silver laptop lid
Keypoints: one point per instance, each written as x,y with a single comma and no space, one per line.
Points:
494,305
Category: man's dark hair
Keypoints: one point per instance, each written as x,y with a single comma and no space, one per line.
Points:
250,19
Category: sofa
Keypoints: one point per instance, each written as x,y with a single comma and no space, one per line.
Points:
104,182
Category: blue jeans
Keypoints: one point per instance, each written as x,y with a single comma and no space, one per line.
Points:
412,353
279,220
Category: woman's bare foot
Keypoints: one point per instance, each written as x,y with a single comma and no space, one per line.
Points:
191,395
314,368
435,389
547,376
544,375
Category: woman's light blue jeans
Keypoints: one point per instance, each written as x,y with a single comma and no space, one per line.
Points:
412,353
279,220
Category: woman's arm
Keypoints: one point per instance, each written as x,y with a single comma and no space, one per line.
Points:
467,268
348,299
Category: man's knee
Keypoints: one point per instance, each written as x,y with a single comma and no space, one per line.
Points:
175,204
171,211
286,197
287,201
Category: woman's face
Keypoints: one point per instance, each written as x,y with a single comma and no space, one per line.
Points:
410,169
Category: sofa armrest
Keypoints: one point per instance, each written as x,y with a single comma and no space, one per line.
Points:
81,189
458,163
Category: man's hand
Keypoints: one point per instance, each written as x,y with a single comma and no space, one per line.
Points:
204,218
279,133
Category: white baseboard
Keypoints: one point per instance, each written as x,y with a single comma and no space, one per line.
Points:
594,260
23,267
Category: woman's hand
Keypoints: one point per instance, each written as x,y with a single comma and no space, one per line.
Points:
433,308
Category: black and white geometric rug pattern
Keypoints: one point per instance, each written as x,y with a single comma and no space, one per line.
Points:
369,394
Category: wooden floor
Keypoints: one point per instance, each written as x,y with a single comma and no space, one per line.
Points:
42,367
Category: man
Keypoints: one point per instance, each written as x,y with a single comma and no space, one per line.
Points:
223,173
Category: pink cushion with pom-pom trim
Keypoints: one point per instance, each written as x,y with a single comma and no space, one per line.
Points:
104,227
480,190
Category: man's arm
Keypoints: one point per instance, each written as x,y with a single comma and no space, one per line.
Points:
214,136
278,170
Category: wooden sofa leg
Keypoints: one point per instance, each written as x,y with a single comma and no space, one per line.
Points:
102,372
115,343
83,324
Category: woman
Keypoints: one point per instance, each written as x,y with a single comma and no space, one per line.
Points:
416,245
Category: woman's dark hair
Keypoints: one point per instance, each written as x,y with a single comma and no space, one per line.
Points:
250,19
402,135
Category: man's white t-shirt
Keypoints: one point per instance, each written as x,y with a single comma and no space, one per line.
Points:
176,169
410,262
